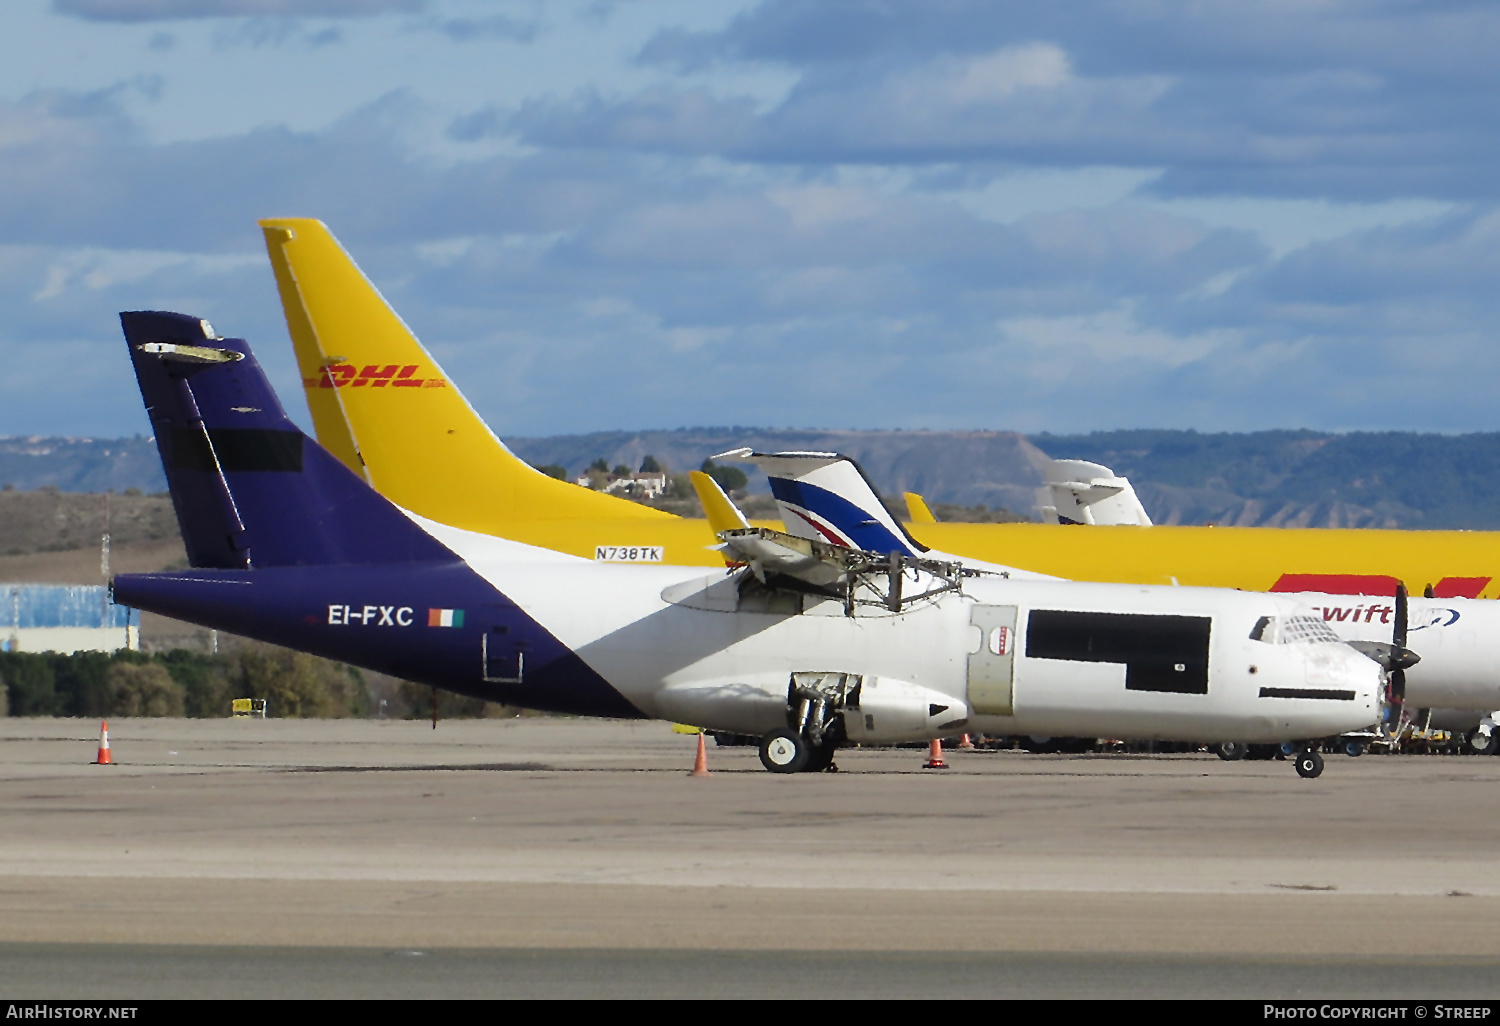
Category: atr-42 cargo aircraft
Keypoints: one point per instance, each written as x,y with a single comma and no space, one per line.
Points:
826,496
813,646
383,406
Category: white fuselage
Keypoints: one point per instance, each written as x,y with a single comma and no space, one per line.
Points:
684,646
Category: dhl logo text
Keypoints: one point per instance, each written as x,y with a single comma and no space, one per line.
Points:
343,375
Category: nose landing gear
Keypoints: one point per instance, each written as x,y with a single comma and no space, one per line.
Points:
784,751
790,751
1309,762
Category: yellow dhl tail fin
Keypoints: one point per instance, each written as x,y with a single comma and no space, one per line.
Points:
722,513
916,507
383,406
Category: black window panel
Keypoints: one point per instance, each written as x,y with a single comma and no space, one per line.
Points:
239,449
1323,693
190,450
1150,646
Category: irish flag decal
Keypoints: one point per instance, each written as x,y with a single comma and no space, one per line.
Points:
445,617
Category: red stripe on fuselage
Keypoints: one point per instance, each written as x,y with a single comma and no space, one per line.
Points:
1338,584
1376,584
1459,587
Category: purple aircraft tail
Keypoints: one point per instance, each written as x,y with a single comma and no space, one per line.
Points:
250,489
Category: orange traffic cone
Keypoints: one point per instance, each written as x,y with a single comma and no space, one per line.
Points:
965,743
104,759
700,764
935,756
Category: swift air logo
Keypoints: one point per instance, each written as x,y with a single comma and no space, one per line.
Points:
627,553
445,617
1377,613
378,616
344,375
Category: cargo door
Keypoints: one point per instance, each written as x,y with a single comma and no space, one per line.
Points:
991,671
504,656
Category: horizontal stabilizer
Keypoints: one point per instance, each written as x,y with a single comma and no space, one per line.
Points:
890,579
1087,493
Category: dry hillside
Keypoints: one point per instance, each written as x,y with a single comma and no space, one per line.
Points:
52,537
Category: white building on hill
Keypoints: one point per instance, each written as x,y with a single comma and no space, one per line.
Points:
65,618
640,485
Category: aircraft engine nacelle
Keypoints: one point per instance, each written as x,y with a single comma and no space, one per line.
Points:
885,710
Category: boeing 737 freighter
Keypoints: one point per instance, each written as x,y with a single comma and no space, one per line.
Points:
816,646
383,406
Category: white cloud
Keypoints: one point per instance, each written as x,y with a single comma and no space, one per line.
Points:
94,269
997,76
164,10
1061,344
1007,216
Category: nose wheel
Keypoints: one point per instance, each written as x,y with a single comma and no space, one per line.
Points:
790,751
1309,763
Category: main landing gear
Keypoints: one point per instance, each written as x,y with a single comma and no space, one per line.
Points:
790,751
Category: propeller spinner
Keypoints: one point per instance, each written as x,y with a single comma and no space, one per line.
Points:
1395,657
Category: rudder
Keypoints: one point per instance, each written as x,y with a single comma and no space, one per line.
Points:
249,488
384,406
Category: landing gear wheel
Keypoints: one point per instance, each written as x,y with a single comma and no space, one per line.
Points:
1231,751
1484,744
784,751
820,758
1309,763
1354,749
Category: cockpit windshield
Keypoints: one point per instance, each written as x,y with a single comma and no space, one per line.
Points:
1287,630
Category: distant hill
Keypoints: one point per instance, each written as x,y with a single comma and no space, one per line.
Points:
80,464
1270,478
969,468
1302,478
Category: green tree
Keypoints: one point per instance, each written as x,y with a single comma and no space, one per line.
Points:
650,466
552,470
144,689
81,681
29,683
204,680
680,487
731,479
601,465
295,684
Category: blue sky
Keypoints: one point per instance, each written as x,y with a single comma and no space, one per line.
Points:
650,213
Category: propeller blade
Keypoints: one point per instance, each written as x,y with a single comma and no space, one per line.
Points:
1402,657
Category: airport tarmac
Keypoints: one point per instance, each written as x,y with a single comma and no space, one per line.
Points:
516,852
